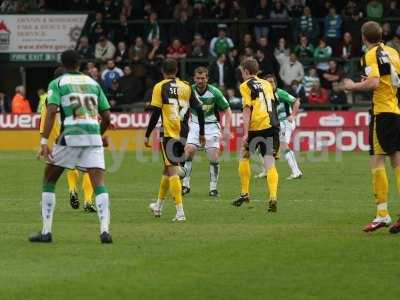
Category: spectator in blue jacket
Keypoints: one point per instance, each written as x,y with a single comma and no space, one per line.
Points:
111,73
333,29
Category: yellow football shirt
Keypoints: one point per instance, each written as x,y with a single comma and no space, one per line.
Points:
173,97
258,94
55,131
377,63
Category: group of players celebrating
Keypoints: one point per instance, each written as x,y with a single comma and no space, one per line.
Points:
190,121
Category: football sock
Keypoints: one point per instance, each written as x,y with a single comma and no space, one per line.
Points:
72,178
103,207
291,159
188,167
272,182
87,189
214,174
162,193
244,173
175,188
380,187
48,206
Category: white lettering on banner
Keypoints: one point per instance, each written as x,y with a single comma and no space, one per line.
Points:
365,116
362,144
299,117
349,135
24,121
299,136
323,140
331,121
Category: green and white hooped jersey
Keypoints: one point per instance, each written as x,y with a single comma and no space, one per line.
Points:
285,103
212,99
79,98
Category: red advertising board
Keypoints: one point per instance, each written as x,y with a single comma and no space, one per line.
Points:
315,130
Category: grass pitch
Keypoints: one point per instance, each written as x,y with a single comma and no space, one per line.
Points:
313,248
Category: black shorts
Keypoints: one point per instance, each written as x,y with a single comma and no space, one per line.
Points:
173,151
265,141
384,134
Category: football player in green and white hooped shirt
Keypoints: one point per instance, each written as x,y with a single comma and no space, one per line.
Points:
213,101
80,101
287,110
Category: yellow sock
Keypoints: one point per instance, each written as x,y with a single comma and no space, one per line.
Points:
72,178
164,186
87,189
175,188
380,187
272,183
244,173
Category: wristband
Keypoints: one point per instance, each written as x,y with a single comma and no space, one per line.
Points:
43,141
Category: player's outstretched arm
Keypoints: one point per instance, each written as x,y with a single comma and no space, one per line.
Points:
367,84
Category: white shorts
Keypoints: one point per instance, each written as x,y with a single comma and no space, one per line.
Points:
286,131
212,134
81,158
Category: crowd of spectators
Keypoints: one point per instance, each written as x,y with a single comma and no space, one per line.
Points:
310,45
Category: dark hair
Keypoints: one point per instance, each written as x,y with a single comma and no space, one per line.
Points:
170,66
70,59
201,70
372,32
59,71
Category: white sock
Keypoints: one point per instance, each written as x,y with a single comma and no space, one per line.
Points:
291,159
188,167
160,204
48,206
103,211
179,209
214,174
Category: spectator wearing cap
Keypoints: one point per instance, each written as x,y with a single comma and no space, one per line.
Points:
261,12
104,49
85,50
176,50
19,103
221,73
220,44
292,70
112,72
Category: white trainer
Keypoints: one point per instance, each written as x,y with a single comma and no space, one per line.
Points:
179,218
387,220
295,176
261,175
155,209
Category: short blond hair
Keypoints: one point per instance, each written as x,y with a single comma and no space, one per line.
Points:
372,32
251,65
